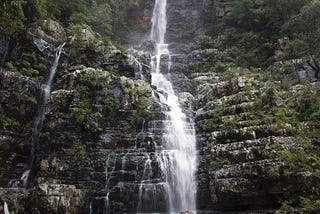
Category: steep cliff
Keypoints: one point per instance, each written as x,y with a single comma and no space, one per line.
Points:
258,150
95,108
257,131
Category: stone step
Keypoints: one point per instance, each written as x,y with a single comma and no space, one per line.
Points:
244,151
234,99
256,142
201,114
144,198
250,133
246,170
207,77
223,88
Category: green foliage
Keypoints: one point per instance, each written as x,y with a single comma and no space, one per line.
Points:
76,153
103,16
305,29
221,67
310,203
298,159
79,114
34,9
11,19
79,18
29,64
217,164
84,115
206,42
285,207
249,14
8,123
251,31
143,111
211,124
296,48
268,99
307,105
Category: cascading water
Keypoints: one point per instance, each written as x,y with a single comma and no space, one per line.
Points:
5,208
157,174
38,122
178,155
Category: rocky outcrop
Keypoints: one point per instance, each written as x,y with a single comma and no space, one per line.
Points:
91,116
245,157
92,113
222,7
19,97
48,30
184,21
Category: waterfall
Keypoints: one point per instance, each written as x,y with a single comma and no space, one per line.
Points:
178,155
38,122
157,174
5,208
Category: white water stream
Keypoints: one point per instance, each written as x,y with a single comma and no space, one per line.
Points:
6,208
178,157
37,125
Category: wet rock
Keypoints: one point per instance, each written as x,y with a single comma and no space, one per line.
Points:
186,100
237,170
48,30
186,212
184,20
19,97
59,198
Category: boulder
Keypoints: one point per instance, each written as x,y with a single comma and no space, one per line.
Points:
48,30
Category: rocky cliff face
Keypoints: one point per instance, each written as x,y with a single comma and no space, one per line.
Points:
96,112
102,123
19,99
251,154
185,21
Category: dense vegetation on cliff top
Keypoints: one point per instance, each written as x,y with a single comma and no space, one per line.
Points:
102,15
250,32
253,27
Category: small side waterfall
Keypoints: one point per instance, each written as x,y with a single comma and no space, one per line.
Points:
6,208
178,155
38,122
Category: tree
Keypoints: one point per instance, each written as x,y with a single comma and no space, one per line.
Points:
305,42
248,14
11,23
34,9
11,19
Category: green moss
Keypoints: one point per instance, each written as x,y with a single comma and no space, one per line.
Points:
29,64
230,124
33,100
285,208
298,159
8,123
76,154
144,111
218,164
221,67
79,114
45,136
210,125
